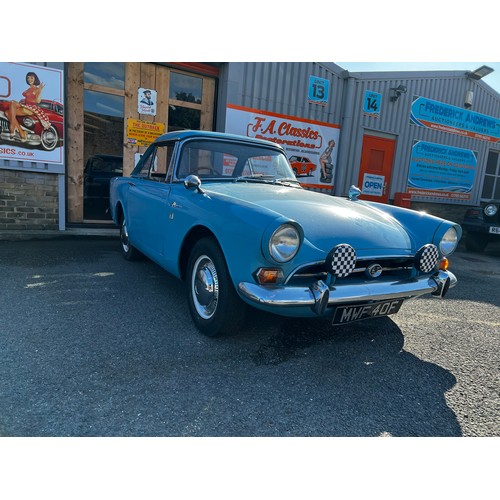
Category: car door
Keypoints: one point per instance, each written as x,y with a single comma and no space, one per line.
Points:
147,203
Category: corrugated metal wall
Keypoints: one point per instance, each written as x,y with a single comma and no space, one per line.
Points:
394,119
281,87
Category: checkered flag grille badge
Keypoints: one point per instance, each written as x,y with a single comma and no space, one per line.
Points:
427,258
341,261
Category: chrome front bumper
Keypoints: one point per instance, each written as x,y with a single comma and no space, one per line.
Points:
319,296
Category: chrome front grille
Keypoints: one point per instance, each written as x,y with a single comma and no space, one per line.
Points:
395,267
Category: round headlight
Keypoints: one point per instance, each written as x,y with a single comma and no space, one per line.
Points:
28,122
490,210
449,241
284,243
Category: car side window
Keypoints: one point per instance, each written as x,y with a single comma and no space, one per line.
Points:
156,165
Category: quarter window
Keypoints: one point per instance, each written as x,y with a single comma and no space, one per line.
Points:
157,163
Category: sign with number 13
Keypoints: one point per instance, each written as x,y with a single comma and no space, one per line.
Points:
318,90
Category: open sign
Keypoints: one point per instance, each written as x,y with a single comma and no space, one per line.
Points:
373,185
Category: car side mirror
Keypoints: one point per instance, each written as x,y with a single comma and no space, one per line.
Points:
193,182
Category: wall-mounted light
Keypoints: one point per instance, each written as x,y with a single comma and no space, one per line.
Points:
398,92
480,72
468,99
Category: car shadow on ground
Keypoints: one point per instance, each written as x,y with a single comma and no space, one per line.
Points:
357,380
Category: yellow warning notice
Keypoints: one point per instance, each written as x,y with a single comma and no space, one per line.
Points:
143,133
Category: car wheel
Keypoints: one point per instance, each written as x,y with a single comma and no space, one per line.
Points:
476,242
128,251
214,305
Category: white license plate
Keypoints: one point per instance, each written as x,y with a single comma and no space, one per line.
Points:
495,229
348,314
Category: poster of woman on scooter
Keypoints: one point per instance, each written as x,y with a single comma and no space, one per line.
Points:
31,113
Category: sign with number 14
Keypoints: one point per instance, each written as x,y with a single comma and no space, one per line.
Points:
372,103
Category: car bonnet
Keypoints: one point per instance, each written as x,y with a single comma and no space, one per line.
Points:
326,220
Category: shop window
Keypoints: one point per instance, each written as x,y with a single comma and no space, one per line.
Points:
185,97
110,75
185,88
103,135
491,186
181,118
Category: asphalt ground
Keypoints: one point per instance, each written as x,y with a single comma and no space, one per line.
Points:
94,346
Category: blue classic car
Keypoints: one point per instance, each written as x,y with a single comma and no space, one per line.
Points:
226,214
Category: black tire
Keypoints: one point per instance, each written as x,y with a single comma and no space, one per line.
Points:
215,307
128,251
476,242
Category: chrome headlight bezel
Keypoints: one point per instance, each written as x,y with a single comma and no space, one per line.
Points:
490,210
28,122
449,242
284,243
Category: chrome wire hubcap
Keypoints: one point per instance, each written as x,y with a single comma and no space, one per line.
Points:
124,237
205,287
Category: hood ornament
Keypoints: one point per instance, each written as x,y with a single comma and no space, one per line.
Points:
354,192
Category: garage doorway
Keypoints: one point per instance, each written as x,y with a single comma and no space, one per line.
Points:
375,170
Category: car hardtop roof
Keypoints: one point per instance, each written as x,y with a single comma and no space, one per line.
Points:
205,134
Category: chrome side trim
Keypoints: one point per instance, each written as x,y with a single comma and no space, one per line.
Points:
288,296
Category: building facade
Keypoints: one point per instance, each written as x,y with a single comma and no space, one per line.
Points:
428,140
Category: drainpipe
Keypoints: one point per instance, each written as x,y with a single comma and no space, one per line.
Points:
345,135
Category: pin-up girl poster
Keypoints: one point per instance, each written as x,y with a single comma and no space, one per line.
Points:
31,113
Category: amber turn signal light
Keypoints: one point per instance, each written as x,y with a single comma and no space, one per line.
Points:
269,276
443,264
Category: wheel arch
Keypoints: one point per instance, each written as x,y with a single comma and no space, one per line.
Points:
195,234
119,213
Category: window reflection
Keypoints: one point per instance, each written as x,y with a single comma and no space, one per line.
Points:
104,104
107,74
185,88
103,150
180,118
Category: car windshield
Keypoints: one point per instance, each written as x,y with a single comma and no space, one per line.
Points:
226,160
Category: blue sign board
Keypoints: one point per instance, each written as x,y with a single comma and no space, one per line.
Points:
372,103
455,120
318,90
441,171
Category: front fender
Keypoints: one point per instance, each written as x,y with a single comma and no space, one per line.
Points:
421,226
239,230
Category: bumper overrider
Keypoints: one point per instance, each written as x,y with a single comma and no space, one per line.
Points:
322,298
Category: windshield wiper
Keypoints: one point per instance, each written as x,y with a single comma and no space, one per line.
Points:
287,181
255,178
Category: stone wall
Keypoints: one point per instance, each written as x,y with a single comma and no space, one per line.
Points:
28,200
